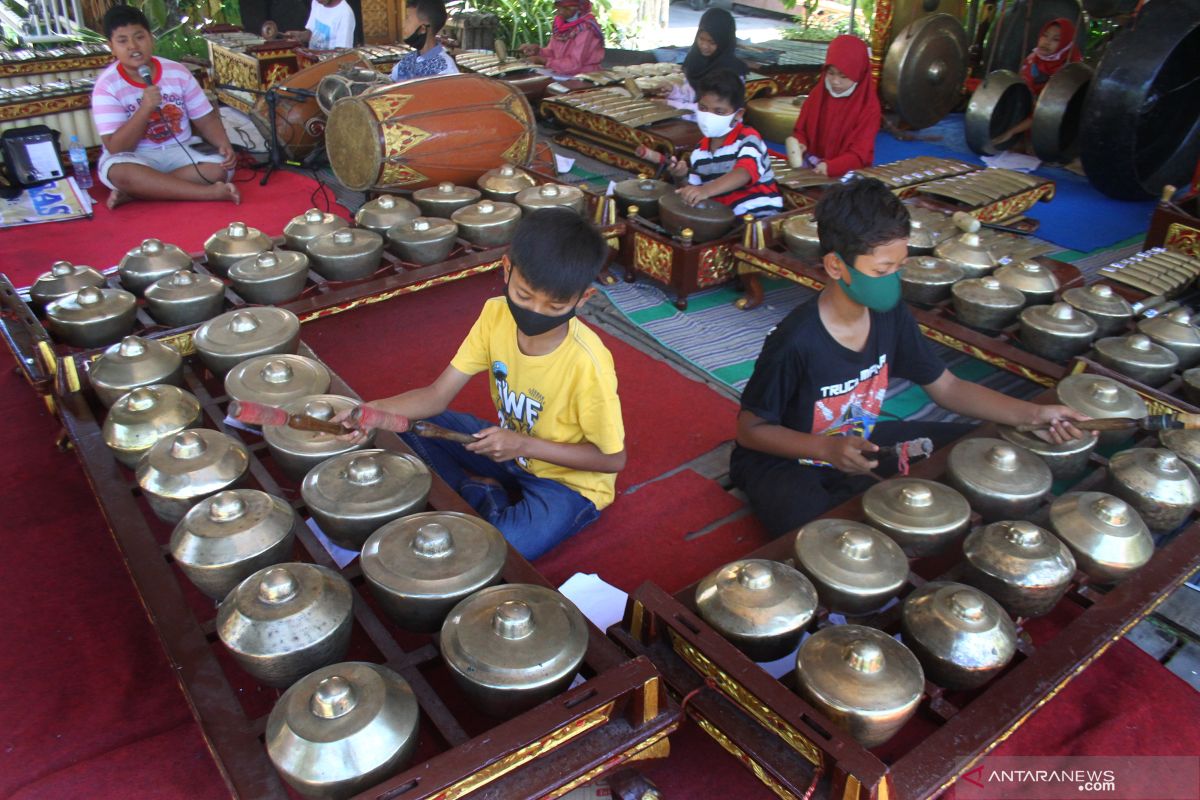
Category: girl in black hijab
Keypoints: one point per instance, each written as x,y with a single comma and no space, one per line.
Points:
713,50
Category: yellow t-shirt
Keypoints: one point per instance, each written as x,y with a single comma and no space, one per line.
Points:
567,396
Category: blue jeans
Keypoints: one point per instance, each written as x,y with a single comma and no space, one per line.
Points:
547,511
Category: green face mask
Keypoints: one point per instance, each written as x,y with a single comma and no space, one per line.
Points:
876,293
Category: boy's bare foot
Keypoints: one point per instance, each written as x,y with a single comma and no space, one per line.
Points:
227,191
117,198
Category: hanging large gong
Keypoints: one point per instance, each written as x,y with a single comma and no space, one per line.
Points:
1000,102
1059,110
1015,32
924,70
1141,116
906,12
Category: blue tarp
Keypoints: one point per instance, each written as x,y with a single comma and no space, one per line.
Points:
1078,218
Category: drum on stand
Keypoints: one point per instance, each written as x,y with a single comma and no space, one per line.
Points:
420,133
300,122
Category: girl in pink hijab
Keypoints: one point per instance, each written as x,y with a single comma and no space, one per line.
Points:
576,43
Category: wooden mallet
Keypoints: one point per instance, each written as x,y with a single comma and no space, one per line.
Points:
1154,422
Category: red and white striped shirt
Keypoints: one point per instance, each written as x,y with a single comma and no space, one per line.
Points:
117,95
742,147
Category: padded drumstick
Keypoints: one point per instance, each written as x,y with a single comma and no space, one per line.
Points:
367,417
259,414
431,431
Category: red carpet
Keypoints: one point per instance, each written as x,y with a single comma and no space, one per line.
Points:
642,536
101,241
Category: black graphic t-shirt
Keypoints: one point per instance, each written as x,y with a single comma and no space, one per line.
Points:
805,380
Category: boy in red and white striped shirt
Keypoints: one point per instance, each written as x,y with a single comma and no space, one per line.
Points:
147,127
730,164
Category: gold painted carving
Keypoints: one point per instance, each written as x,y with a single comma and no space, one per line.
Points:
48,106
749,703
603,154
42,66
403,290
652,257
399,138
1183,239
741,755
716,266
642,750
387,106
650,691
1015,205
529,752
988,358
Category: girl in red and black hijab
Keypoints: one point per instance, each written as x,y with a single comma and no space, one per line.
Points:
712,51
1055,49
836,130
576,43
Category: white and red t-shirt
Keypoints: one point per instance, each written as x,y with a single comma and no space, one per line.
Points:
118,93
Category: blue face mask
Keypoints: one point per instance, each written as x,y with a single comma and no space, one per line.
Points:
876,293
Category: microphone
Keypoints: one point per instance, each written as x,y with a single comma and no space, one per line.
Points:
146,74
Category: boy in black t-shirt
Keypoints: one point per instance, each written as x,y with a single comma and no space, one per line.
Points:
818,386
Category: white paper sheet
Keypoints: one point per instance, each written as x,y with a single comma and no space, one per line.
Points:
341,556
563,164
602,603
1014,161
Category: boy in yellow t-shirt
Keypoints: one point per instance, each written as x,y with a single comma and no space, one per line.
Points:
549,466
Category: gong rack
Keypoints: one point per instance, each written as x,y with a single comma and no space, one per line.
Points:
1176,226
793,748
619,712
37,352
615,143
684,266
1000,349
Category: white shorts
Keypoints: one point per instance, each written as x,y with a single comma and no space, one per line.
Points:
163,159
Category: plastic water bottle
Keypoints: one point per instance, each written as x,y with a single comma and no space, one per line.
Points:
79,162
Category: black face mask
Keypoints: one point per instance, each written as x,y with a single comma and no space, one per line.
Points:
531,323
417,40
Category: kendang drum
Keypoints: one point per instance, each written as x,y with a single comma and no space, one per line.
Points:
299,121
450,128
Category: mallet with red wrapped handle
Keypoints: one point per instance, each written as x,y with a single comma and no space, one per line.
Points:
371,417
260,414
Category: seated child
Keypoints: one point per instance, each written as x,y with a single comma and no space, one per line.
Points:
560,440
807,428
576,43
146,127
835,132
330,26
730,164
423,21
713,49
1055,49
